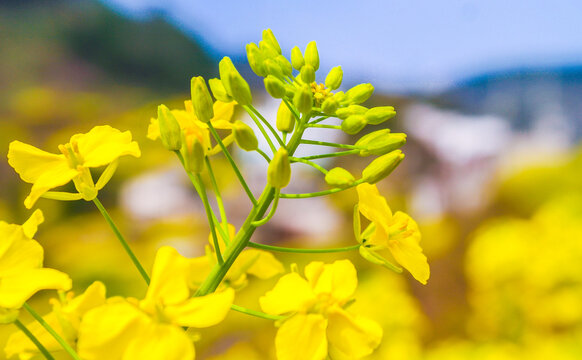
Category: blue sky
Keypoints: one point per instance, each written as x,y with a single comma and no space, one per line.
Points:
398,45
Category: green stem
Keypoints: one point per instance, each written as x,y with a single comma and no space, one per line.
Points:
301,251
271,213
325,143
256,313
232,164
219,201
320,193
209,214
340,153
310,163
262,129
263,155
121,239
267,124
320,119
292,109
34,340
51,331
323,126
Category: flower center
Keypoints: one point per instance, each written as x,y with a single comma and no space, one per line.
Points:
320,93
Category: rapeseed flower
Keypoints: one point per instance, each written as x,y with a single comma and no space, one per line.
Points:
152,328
319,324
21,271
396,232
101,146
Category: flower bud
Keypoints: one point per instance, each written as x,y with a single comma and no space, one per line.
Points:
279,171
170,131
225,67
268,51
218,90
307,74
380,142
354,124
240,90
329,106
201,99
343,113
359,93
270,38
297,58
285,118
193,153
378,115
285,65
244,136
274,87
339,97
339,177
382,166
333,80
303,99
311,55
273,68
256,59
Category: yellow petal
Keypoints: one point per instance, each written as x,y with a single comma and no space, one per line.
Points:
54,177
160,341
223,111
374,206
16,289
6,317
339,279
103,144
265,265
153,129
106,331
203,311
409,254
30,162
31,225
93,297
291,293
302,337
20,255
351,336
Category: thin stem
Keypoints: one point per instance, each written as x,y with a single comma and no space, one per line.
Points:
51,331
324,126
121,239
256,313
292,109
262,129
34,340
271,213
218,196
263,154
331,144
232,163
320,193
340,153
267,124
301,251
320,119
209,214
310,163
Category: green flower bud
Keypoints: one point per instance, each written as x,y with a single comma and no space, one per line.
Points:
333,80
279,171
343,113
354,124
256,59
225,67
273,68
285,118
311,55
303,99
268,51
193,154
339,97
201,99
307,74
270,38
244,136
285,65
329,106
359,93
382,166
297,59
218,90
339,177
240,90
380,142
170,131
274,86
378,115
290,90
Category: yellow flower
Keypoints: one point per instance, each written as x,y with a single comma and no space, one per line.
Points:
21,271
396,232
64,319
152,328
319,325
101,146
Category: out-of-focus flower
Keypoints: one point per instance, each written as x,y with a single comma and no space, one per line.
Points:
64,319
151,328
318,324
101,146
396,232
21,271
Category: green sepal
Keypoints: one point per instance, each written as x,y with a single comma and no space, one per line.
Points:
106,175
382,167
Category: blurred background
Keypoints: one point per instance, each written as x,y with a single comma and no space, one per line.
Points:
488,93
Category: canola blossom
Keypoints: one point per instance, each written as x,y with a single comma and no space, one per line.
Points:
101,146
319,323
